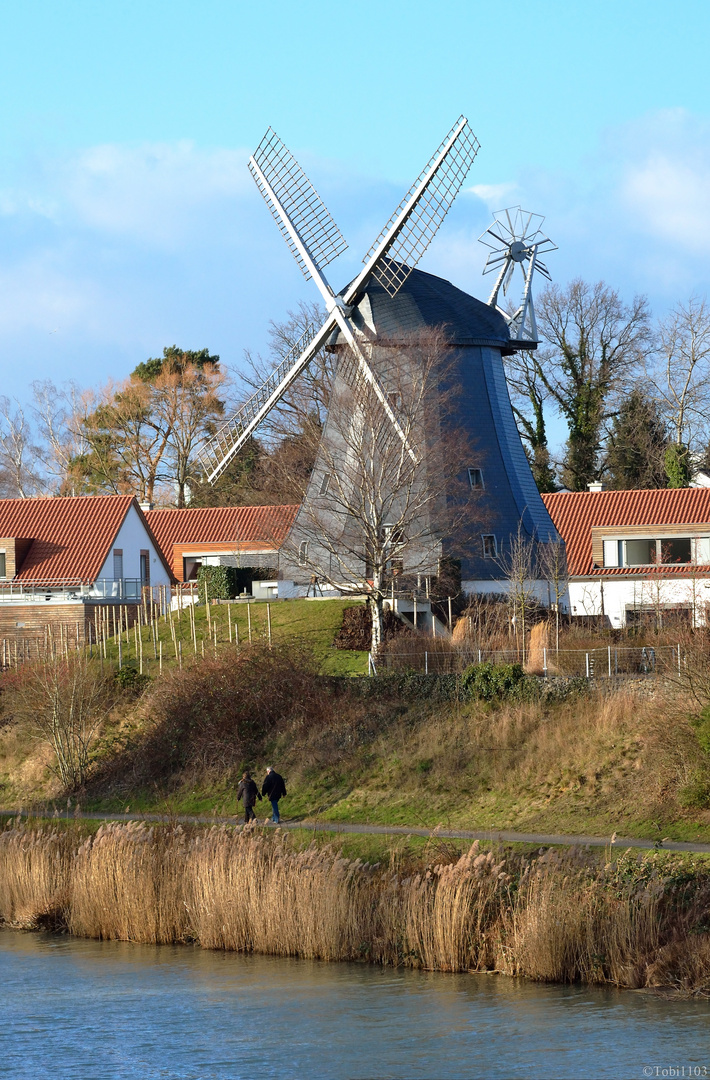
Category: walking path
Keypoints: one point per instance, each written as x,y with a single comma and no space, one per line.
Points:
487,835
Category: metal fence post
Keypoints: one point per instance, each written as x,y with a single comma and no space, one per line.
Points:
679,658
586,655
544,661
426,663
609,647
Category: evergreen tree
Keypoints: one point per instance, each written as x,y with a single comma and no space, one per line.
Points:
677,466
637,446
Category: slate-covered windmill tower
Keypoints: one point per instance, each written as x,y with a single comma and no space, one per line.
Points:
384,306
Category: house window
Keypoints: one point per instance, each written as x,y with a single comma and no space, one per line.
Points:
145,568
118,564
639,552
675,550
475,479
649,552
3,565
303,553
324,483
490,547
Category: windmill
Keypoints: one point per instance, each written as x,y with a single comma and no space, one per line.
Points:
315,240
516,239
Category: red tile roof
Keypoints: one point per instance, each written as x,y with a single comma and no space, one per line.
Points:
576,513
256,526
71,537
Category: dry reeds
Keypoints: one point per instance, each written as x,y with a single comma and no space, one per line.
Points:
554,917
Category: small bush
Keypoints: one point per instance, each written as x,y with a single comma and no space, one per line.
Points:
696,794
221,581
493,681
130,680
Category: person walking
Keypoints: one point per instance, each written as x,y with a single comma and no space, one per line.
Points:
248,792
273,789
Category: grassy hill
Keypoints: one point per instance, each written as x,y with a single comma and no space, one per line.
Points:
314,623
374,751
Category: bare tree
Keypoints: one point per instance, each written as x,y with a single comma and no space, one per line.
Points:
307,399
20,466
378,512
529,396
519,563
58,414
64,701
681,378
184,405
552,561
596,345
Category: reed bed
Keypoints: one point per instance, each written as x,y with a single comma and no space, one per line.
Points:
554,916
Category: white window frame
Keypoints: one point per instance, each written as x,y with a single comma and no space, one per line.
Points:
484,538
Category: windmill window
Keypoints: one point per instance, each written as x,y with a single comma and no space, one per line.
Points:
303,553
475,479
490,547
325,483
395,401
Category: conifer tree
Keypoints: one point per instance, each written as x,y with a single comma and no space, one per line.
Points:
638,441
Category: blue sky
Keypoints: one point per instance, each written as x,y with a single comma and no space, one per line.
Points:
128,219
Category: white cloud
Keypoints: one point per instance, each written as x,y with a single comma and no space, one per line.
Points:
495,196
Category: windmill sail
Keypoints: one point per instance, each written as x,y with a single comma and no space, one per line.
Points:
315,240
303,206
215,455
413,225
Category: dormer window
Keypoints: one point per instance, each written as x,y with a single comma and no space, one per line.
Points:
651,551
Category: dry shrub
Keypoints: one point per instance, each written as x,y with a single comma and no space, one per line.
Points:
412,650
128,883
538,649
557,916
216,713
35,868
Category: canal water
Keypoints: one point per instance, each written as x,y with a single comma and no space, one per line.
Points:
90,1010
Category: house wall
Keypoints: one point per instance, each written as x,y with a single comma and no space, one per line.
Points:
613,597
29,623
132,538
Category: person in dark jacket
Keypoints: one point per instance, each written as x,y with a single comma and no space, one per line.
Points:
273,789
248,792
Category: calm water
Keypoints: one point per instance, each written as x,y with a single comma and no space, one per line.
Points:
99,1011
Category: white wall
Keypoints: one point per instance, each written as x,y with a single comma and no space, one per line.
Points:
541,590
612,596
132,539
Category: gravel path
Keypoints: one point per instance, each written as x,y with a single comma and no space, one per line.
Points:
487,835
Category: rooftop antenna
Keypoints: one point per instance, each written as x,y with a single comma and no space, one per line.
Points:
516,239
315,240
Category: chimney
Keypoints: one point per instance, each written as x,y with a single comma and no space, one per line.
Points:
146,506
596,485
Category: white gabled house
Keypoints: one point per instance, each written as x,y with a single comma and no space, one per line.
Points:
636,555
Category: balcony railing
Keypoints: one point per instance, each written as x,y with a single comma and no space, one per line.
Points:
126,590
